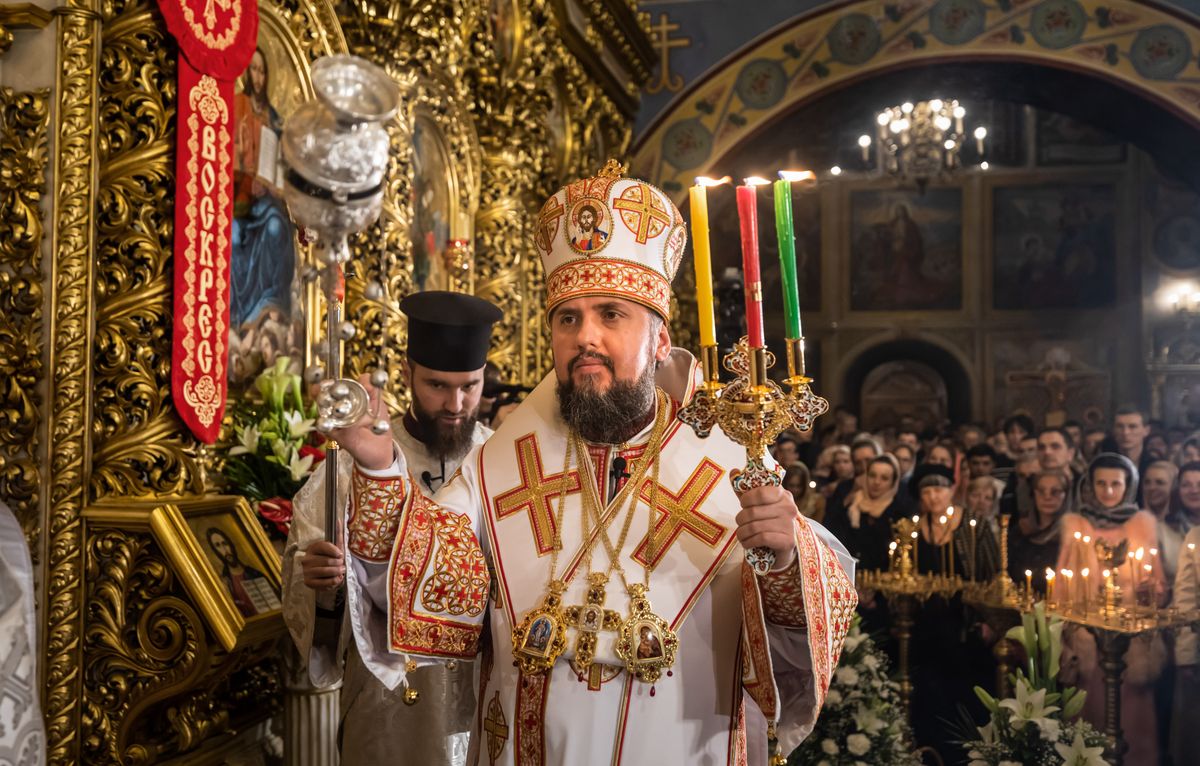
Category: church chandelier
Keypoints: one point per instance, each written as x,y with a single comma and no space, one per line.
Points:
922,141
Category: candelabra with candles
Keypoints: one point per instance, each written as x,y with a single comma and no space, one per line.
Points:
1112,612
903,576
752,409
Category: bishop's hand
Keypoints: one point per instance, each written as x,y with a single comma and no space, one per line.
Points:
370,450
768,519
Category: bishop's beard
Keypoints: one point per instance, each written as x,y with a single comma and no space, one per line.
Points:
610,417
443,441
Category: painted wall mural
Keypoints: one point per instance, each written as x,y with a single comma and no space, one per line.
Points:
1145,47
906,250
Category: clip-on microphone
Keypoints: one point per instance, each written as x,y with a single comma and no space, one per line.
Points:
428,478
615,474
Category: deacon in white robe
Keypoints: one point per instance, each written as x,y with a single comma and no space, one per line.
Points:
448,342
626,627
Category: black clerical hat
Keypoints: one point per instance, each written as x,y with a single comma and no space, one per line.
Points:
449,332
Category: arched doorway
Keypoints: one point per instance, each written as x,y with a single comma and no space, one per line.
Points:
907,380
902,391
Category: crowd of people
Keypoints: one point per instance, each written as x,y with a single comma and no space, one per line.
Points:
1070,496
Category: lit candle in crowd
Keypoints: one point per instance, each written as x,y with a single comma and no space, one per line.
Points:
974,558
1049,587
747,204
914,547
787,248
1077,549
702,258
1069,576
1029,584
944,546
1085,572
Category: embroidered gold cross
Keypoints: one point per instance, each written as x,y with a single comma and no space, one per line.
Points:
639,201
496,728
679,512
535,493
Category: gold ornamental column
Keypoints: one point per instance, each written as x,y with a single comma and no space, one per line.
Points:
71,282
510,103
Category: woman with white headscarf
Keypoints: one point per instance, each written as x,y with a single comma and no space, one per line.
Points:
1107,513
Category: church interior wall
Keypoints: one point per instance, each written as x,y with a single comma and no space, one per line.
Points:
794,98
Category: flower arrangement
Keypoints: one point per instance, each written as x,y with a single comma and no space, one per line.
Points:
1036,725
862,721
272,453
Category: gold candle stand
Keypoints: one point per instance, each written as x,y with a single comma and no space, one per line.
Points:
753,410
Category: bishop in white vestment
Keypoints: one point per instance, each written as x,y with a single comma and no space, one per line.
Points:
626,627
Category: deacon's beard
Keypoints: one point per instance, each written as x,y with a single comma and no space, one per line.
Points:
445,442
610,417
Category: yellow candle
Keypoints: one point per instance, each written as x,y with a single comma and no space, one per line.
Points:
702,259
1049,588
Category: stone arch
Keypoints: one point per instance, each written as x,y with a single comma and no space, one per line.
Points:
1143,47
929,351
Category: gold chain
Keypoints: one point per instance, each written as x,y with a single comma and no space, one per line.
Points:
630,491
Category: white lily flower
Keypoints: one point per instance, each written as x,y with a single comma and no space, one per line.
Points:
866,720
987,734
298,426
1079,754
1029,706
299,466
247,441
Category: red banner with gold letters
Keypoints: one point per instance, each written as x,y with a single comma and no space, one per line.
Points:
216,41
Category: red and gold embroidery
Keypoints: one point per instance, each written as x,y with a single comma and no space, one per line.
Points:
536,493
496,729
419,633
679,512
602,276
532,692
642,212
757,672
547,225
374,516
829,601
783,596
459,583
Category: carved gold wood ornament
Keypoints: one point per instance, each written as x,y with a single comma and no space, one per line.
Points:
515,120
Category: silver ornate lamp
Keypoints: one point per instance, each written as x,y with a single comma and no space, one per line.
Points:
336,149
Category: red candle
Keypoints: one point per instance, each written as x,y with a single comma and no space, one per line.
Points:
747,203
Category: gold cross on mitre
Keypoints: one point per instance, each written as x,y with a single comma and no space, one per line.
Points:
612,169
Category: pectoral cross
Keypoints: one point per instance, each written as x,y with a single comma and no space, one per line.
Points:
661,36
589,619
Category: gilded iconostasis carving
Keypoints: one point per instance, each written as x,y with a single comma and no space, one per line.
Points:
503,100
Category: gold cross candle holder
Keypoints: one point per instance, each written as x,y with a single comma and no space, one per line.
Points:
752,410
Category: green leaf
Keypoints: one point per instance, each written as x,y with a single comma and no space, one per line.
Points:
988,700
1074,706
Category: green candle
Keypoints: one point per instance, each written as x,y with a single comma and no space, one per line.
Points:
787,256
